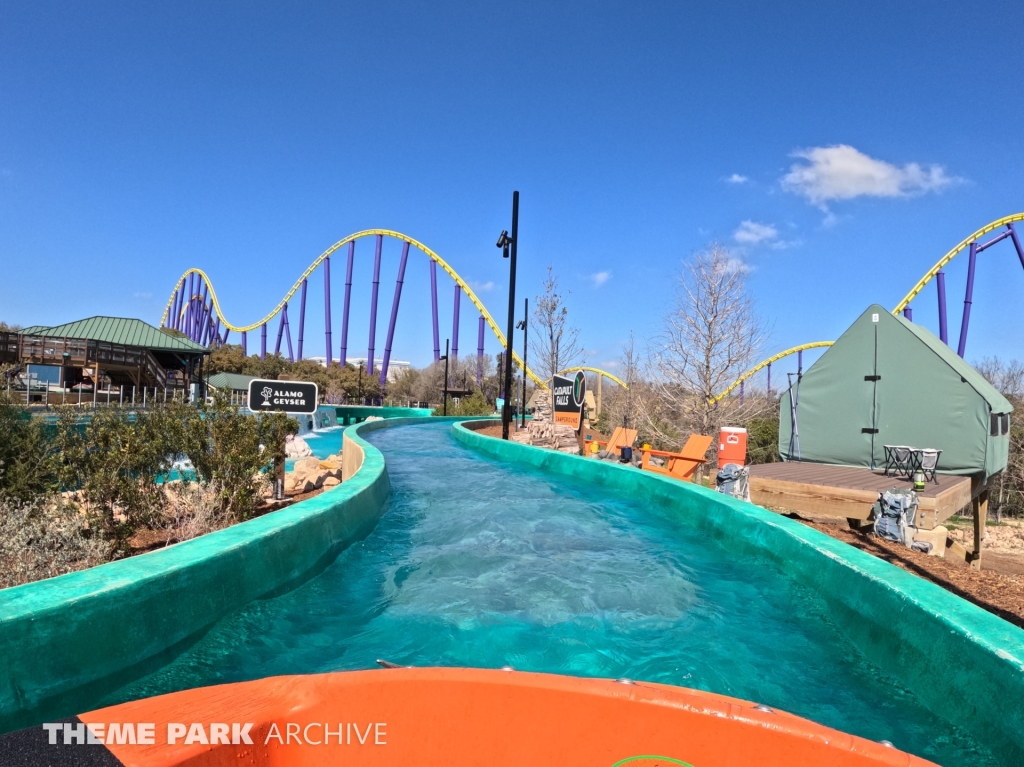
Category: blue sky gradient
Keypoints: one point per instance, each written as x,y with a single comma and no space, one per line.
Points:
137,140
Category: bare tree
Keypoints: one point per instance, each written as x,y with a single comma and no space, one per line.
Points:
710,337
554,343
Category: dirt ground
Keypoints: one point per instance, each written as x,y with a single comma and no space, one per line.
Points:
1001,593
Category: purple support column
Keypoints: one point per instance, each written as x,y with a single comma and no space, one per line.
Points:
1016,243
172,321
245,343
198,317
394,314
741,391
480,352
940,284
263,343
227,332
189,308
769,380
800,362
908,313
433,309
280,328
327,308
288,333
455,322
203,312
302,316
343,356
373,305
967,300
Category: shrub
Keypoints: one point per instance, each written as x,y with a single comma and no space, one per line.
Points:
474,404
28,462
228,449
45,539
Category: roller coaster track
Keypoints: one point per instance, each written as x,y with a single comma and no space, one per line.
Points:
971,244
600,372
183,298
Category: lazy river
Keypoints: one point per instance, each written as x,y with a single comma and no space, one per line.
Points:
484,564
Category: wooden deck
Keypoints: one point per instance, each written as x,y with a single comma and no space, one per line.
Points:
820,489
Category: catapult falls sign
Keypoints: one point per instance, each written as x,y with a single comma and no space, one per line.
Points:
569,394
282,396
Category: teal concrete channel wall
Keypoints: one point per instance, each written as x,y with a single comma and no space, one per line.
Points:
67,641
962,662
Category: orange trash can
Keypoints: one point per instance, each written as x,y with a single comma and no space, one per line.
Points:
732,446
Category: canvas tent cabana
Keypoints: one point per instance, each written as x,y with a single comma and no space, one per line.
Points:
887,381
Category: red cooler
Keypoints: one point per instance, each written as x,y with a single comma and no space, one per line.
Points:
732,446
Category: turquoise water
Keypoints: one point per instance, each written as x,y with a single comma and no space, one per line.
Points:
480,564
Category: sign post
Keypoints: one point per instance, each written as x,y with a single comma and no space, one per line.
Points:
283,396
569,395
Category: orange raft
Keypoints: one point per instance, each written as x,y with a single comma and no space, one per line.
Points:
453,716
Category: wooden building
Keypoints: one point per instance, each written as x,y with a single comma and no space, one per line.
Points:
111,352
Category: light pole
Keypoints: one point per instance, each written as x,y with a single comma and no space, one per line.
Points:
524,325
444,396
504,241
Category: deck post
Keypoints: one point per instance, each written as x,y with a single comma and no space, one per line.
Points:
394,315
302,316
979,505
940,286
962,347
375,289
433,309
343,356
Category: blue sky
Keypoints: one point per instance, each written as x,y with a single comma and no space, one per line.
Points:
838,148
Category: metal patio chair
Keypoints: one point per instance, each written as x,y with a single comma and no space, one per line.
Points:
929,462
898,460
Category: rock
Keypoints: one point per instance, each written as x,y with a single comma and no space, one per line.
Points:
331,482
296,447
936,537
307,466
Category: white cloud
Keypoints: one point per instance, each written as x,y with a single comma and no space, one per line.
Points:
482,287
143,295
841,173
736,264
600,278
736,178
753,233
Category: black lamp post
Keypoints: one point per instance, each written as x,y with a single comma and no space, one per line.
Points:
504,241
444,397
524,325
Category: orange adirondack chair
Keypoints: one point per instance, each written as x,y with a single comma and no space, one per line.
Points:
621,437
680,465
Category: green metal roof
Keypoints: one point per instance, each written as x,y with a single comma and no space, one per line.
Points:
233,381
118,330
